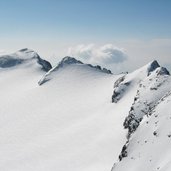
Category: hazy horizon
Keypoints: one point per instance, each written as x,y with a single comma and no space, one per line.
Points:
120,35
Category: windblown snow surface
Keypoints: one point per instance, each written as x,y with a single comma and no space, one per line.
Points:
78,117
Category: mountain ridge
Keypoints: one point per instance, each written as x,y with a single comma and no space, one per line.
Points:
81,109
67,61
150,91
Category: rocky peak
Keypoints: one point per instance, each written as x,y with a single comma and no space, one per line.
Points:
70,60
162,71
152,66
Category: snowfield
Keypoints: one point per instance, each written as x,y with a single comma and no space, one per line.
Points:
63,118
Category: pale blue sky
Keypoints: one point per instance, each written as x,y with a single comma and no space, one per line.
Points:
51,26
118,19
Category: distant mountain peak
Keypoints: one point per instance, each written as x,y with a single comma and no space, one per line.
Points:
70,60
23,56
26,53
67,61
25,49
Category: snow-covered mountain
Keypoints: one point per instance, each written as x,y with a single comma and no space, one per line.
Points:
81,117
145,147
65,124
68,62
24,56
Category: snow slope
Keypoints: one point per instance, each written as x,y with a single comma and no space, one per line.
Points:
67,123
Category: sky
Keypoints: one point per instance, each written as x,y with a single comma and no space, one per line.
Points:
119,34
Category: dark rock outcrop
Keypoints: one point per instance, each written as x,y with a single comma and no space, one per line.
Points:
162,71
124,152
46,66
152,66
119,88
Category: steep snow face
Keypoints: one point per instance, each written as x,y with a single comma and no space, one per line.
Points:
68,61
149,91
24,56
150,146
150,83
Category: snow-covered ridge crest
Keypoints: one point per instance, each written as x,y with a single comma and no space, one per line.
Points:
149,91
23,56
68,61
124,83
150,83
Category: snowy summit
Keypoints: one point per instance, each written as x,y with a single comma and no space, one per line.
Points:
21,57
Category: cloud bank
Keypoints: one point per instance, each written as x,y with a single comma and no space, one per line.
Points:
2,52
106,55
137,54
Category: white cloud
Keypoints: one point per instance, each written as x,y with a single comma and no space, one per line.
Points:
106,54
137,54
82,51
